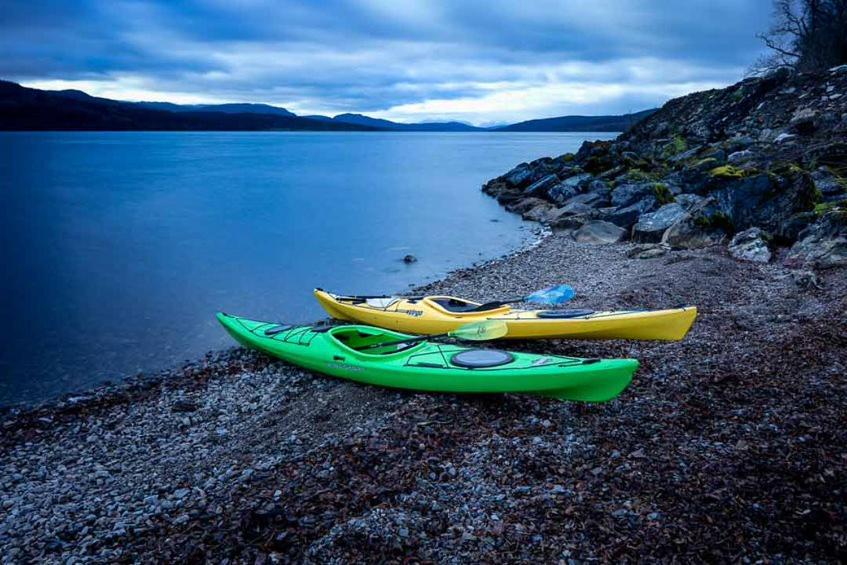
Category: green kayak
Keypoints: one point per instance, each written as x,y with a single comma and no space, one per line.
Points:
347,352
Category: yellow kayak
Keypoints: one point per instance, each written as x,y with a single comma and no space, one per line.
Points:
441,314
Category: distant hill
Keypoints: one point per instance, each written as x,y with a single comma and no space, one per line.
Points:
24,108
235,108
378,123
580,123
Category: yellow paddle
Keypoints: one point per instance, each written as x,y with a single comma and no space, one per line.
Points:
476,331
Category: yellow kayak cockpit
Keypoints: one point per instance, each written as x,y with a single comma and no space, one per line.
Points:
452,306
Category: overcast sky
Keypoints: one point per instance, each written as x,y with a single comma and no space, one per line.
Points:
481,62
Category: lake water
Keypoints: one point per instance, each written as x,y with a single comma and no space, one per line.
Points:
118,248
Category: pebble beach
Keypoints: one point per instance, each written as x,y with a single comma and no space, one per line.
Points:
728,445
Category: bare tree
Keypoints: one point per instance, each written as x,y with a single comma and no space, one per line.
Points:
807,35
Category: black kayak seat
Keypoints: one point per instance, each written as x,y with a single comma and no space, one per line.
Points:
481,358
460,306
563,314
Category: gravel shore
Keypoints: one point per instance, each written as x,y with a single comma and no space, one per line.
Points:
729,445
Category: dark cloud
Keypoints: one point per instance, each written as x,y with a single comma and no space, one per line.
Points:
474,60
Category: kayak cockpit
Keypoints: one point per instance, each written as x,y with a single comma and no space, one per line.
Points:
366,340
459,306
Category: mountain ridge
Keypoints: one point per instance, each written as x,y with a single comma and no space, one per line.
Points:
581,123
24,108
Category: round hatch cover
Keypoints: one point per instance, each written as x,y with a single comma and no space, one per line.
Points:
481,358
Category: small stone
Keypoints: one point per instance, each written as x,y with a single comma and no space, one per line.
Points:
408,259
181,519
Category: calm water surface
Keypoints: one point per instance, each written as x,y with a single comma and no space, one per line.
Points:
118,248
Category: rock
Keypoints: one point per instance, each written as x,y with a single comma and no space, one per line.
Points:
749,245
541,187
628,215
504,197
765,200
542,213
716,153
599,232
576,208
408,259
704,165
805,279
829,185
803,121
688,201
569,187
740,157
739,143
598,186
790,229
686,155
784,137
518,177
699,228
823,244
572,221
649,251
181,519
592,199
525,205
650,227
627,194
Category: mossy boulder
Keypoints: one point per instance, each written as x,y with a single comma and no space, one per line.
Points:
730,172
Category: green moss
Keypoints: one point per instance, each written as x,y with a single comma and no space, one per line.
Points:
787,169
824,207
663,193
568,157
637,175
730,172
677,145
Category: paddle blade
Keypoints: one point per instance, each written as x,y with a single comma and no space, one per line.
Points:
553,295
481,331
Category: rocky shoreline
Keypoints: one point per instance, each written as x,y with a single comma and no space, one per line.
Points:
761,165
728,445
